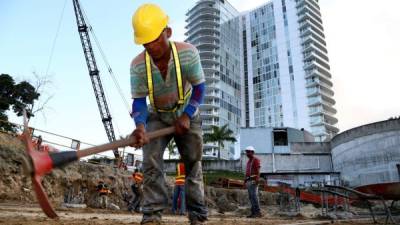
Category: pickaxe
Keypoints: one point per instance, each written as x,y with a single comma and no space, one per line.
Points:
37,164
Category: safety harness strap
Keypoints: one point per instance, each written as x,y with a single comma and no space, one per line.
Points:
179,81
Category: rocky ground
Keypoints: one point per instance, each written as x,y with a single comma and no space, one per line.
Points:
18,214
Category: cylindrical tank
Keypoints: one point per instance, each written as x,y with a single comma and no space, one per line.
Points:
368,154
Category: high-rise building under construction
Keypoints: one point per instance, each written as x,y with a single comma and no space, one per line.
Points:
267,67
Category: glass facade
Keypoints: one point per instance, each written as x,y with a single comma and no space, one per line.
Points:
274,57
213,27
287,79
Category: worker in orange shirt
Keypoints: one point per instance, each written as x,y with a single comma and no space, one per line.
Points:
179,190
103,190
137,191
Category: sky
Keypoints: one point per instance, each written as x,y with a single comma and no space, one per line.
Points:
362,40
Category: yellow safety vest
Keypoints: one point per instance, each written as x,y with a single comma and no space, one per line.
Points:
179,81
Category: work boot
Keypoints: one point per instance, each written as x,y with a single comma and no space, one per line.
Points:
255,215
194,220
152,219
197,222
151,223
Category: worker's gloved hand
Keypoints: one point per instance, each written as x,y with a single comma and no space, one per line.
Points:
182,124
139,134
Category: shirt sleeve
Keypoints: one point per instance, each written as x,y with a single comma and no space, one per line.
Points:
195,70
257,163
138,82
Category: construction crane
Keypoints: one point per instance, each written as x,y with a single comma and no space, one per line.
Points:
83,30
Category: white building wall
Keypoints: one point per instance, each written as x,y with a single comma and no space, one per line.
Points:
303,119
286,93
250,71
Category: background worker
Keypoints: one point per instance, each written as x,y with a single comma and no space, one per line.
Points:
179,190
103,191
251,181
136,190
170,74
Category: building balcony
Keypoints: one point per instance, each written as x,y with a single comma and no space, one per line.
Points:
202,16
200,5
313,37
319,35
310,9
205,37
320,73
214,94
208,114
203,22
212,53
198,44
313,56
214,85
211,69
315,91
316,81
310,18
202,29
309,45
198,9
324,69
208,104
208,123
211,77
317,52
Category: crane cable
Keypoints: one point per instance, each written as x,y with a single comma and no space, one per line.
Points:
110,71
55,39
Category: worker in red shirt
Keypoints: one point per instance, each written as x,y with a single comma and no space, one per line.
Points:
251,181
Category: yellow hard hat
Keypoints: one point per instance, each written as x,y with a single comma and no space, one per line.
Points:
148,22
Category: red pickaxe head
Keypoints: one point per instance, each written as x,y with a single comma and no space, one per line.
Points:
37,164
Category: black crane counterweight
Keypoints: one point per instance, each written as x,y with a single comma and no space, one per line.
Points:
94,74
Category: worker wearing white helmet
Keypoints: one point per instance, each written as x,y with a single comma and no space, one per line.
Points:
170,75
251,181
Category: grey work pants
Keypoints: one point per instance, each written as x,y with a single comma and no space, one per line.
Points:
190,147
252,188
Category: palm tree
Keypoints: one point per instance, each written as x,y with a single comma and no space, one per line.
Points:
219,135
171,148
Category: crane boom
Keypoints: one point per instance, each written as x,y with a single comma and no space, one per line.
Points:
94,74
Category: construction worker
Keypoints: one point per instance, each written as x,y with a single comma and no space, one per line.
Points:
103,191
137,191
179,190
170,74
251,181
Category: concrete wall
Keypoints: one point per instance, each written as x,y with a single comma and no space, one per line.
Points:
310,147
285,163
368,154
208,165
261,138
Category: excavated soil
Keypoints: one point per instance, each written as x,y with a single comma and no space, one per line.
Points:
18,204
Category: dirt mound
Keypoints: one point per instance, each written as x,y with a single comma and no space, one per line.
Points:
80,179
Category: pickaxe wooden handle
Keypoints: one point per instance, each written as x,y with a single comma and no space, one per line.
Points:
37,164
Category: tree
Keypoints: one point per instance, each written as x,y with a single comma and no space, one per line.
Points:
219,135
19,97
41,84
171,148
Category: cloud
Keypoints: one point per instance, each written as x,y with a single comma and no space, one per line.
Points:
362,38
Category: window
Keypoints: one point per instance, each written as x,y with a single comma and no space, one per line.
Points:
280,137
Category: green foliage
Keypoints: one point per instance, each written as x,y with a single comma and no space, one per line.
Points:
219,135
19,97
171,148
